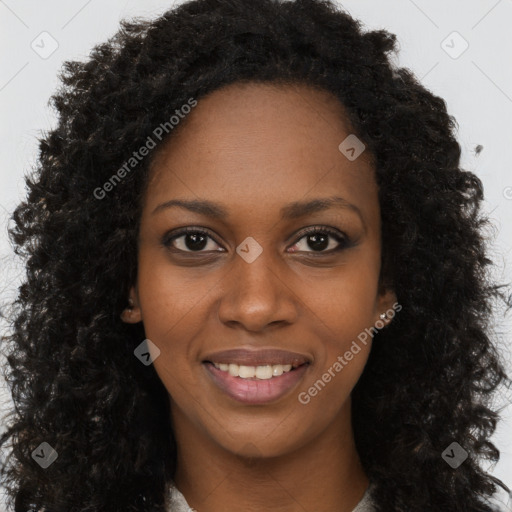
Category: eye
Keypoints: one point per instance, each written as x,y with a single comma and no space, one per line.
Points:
193,240
317,240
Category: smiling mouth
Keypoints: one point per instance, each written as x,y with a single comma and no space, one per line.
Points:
257,385
260,372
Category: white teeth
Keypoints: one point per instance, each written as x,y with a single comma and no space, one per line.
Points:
263,372
247,372
258,372
233,370
277,370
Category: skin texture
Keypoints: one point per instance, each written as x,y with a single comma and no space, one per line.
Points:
433,374
255,148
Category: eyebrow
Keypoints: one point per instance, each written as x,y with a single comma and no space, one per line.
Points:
290,211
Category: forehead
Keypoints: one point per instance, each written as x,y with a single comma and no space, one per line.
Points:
250,143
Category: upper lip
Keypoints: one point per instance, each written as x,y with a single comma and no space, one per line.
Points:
260,357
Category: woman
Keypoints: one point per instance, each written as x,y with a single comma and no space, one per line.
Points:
257,278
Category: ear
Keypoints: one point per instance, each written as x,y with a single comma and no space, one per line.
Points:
387,305
132,314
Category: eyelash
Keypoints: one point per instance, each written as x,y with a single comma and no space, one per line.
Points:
342,239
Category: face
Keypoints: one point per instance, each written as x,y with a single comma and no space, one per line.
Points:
256,277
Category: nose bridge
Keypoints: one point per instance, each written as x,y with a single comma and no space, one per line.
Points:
255,272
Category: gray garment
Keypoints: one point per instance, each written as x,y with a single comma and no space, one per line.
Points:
366,503
177,502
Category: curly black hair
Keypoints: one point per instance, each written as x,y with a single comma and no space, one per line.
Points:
74,380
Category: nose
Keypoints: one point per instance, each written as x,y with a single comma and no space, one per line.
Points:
256,295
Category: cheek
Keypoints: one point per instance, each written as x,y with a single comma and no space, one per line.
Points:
340,362
166,293
343,310
343,302
172,306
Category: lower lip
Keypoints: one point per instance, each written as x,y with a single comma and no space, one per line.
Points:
257,391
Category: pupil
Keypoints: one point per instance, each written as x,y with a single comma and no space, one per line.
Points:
316,244
195,245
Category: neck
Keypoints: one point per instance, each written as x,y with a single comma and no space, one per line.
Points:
324,475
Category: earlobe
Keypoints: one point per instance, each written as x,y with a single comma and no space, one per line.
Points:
387,306
132,313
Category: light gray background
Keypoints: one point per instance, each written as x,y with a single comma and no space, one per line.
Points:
476,84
